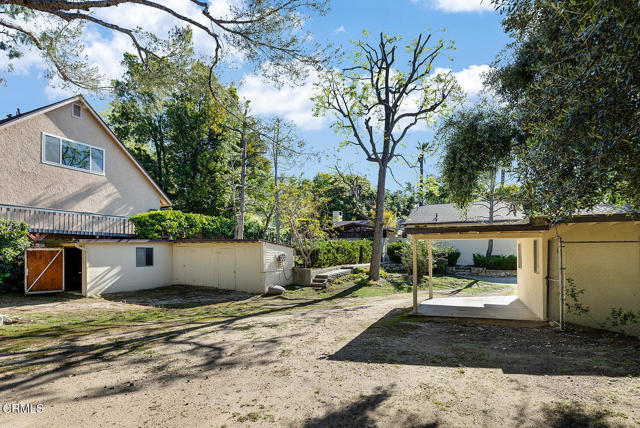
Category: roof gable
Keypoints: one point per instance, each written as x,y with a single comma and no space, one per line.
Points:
14,120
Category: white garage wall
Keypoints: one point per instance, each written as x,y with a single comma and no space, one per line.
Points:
111,267
229,266
274,274
467,248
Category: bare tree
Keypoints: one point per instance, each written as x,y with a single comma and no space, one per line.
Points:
263,31
283,147
376,105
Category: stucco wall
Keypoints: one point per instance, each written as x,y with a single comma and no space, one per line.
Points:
608,272
274,274
531,285
467,248
123,190
111,267
229,266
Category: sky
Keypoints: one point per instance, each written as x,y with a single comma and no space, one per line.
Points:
472,25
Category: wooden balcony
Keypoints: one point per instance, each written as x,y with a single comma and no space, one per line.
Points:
61,222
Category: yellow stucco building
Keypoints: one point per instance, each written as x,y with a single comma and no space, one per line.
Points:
596,253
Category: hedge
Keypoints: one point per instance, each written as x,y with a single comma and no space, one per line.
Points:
423,257
495,262
13,242
328,253
394,251
173,224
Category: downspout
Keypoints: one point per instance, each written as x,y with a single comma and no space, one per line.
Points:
561,282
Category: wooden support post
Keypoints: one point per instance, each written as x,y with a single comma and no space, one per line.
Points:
415,274
429,243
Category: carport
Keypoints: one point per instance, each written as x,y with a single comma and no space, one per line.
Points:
529,304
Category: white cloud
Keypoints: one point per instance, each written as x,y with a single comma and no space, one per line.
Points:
469,78
340,29
290,102
457,6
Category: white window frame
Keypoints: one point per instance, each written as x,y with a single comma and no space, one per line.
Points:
73,106
61,165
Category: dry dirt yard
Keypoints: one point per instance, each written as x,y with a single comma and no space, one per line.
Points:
346,356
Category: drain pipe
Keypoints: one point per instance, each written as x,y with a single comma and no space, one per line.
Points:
561,282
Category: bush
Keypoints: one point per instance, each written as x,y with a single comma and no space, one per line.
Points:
423,257
172,224
452,257
13,242
394,251
495,262
340,252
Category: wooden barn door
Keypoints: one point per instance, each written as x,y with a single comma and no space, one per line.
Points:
44,270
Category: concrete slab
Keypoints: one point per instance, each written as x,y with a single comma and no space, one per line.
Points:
496,307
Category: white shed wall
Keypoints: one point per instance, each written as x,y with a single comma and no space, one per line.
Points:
503,247
274,274
229,266
111,267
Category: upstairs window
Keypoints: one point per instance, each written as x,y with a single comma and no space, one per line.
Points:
72,154
76,111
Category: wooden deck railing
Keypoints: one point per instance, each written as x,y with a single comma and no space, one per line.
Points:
46,220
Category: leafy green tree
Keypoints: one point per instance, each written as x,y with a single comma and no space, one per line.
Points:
573,75
197,154
263,31
477,141
137,113
375,104
402,201
349,193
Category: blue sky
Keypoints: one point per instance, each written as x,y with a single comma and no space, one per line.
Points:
471,24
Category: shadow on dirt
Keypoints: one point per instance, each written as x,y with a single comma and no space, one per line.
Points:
398,338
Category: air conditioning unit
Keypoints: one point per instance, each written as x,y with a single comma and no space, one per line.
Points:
281,259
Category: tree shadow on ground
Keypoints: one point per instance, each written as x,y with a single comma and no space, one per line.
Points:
359,413
117,342
574,415
398,338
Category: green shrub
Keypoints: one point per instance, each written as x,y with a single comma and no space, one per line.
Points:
394,251
13,242
172,224
423,257
452,257
340,252
495,262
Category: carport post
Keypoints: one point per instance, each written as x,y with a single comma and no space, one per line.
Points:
415,274
429,243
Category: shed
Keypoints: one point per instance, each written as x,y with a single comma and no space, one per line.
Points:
99,266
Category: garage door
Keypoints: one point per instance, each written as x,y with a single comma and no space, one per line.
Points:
44,270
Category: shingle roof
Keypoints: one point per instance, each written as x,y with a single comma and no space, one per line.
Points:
448,213
12,117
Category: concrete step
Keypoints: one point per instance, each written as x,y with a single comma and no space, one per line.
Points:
333,274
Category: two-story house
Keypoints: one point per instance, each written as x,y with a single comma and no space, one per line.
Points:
64,173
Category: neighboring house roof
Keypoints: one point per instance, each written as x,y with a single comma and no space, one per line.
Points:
348,224
15,119
448,213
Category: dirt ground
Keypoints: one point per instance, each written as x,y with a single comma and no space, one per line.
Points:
341,361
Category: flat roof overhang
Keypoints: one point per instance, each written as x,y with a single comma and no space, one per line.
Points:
486,231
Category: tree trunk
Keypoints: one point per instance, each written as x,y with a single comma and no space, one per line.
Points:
492,189
376,253
421,194
275,181
243,178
